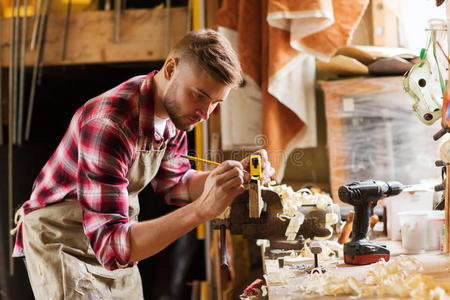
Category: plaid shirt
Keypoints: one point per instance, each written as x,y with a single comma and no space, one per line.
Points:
92,161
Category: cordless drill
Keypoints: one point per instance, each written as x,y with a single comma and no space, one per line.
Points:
364,195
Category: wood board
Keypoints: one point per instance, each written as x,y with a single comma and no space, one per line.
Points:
91,37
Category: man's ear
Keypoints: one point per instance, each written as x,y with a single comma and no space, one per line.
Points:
169,69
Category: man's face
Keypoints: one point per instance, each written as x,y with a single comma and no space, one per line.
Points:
191,95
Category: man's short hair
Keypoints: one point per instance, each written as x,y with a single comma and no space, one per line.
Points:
213,53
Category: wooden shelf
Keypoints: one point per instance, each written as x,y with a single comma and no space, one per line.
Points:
91,37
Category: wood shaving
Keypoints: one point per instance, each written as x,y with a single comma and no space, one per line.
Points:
330,250
279,278
294,226
400,277
293,201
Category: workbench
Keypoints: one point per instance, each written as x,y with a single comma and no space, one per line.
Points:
435,263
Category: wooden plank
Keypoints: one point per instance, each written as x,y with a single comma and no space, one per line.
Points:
91,37
255,204
384,25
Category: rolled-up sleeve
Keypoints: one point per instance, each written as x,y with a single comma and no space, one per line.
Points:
104,156
172,179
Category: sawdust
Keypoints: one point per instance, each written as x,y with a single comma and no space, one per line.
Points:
399,277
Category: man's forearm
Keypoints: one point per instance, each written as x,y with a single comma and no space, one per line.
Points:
149,237
197,183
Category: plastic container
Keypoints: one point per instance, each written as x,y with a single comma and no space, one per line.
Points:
436,219
420,201
414,225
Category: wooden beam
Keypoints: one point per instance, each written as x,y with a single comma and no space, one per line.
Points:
384,25
91,37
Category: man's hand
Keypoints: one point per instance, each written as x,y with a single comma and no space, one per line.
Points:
267,170
222,185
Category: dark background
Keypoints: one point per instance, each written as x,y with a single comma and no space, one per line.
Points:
62,91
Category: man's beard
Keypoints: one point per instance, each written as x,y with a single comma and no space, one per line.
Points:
173,110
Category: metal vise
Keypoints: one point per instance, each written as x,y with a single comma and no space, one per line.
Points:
268,225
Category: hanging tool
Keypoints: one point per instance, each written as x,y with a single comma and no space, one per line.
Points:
418,84
37,65
441,187
66,30
445,121
419,81
364,195
22,73
117,8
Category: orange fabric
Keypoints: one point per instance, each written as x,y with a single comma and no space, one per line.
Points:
298,6
347,15
250,19
280,51
280,124
228,14
265,50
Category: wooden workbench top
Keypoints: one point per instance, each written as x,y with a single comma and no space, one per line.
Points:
435,264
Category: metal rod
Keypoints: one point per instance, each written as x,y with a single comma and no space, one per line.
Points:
117,8
22,73
66,30
15,69
36,68
11,62
42,47
189,16
10,141
36,20
168,15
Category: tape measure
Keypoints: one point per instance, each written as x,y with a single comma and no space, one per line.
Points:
255,166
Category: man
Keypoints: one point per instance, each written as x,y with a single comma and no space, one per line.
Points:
79,231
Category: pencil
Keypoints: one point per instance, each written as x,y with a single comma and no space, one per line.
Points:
198,159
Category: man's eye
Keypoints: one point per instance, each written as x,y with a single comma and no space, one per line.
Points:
198,95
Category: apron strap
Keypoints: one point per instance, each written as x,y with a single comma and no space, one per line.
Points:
18,219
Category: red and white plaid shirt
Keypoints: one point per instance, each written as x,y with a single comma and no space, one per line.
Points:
92,161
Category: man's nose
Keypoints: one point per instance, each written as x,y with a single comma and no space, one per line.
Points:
204,112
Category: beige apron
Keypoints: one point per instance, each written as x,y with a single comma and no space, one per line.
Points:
60,262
